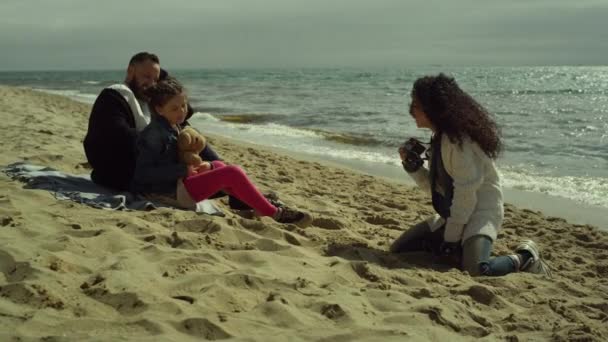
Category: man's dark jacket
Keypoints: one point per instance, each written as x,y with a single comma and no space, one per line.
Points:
110,143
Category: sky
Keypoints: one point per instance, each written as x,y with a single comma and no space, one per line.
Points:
87,34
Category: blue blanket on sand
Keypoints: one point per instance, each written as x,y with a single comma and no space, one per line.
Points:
80,188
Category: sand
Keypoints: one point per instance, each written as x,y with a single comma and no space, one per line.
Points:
69,272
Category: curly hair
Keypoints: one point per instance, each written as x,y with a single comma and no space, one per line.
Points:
455,113
160,93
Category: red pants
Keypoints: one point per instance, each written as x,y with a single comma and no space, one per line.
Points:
231,179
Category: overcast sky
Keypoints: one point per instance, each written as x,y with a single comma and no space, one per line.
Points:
87,34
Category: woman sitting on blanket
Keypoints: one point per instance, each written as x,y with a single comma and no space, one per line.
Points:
158,170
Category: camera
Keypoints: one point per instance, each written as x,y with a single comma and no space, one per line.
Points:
413,155
414,146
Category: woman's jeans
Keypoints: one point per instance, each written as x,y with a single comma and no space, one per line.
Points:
476,250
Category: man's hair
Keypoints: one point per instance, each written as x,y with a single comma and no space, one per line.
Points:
142,57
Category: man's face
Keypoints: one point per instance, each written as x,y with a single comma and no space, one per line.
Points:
142,75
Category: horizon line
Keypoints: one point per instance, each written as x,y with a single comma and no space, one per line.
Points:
434,65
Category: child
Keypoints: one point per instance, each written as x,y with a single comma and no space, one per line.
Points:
159,172
463,180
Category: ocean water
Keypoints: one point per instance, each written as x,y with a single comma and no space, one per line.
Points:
554,120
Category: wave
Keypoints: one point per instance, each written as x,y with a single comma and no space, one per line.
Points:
293,139
565,91
249,118
204,109
343,138
349,138
72,94
589,190
357,148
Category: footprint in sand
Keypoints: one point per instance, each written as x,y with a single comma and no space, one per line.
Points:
13,270
269,245
253,225
31,294
8,214
363,271
207,226
381,221
84,233
7,221
126,303
483,295
423,293
328,223
291,239
395,205
202,328
602,270
437,315
332,311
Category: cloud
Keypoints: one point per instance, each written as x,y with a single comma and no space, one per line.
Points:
79,34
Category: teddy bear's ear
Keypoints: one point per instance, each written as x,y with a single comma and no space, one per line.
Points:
190,130
188,138
184,139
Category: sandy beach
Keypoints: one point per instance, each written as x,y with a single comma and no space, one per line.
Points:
69,272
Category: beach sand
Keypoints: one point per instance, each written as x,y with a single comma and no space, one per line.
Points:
69,272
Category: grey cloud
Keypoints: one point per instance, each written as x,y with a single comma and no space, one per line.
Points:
77,34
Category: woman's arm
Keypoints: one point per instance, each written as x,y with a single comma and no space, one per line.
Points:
466,169
420,176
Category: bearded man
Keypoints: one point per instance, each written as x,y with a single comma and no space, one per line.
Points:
119,113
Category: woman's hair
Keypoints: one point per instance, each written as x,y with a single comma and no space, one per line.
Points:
160,93
455,113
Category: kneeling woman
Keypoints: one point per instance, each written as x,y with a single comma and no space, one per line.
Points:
463,181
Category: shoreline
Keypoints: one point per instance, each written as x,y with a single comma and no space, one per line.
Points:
549,205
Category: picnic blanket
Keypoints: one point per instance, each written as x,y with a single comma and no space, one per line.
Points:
80,188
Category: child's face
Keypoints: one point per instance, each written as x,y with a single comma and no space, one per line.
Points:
175,109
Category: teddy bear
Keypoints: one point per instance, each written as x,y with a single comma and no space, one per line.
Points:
190,143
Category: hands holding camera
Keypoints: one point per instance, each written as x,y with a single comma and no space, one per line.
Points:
411,155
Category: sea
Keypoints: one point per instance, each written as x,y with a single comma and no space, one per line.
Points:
553,119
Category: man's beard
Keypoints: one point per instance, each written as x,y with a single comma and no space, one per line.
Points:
138,91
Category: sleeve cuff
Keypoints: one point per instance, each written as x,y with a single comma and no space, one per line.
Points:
453,232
